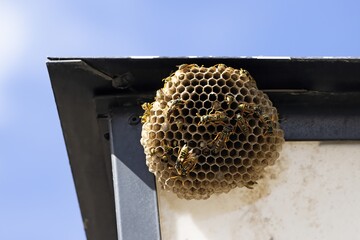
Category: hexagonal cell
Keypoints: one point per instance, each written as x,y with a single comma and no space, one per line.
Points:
230,83
192,128
233,153
185,96
160,135
216,90
198,89
174,127
224,153
237,162
203,97
201,176
228,161
234,76
180,89
198,104
265,147
242,153
199,76
251,138
210,176
251,154
224,168
221,83
216,75
206,136
250,169
226,75
187,136
215,168
207,89
247,146
246,162
189,119
233,169
246,177
152,135
192,144
219,161
205,167
228,177
256,162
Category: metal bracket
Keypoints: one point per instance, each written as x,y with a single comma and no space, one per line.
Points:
134,186
123,81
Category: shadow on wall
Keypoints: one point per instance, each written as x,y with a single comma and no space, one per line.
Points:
220,216
309,194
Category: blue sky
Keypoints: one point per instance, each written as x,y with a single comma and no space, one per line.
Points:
37,195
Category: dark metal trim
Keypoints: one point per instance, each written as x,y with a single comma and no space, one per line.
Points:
88,149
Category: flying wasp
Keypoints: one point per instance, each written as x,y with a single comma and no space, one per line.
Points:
242,124
185,163
174,104
217,117
222,137
147,107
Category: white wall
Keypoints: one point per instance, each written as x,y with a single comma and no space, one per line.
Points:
312,193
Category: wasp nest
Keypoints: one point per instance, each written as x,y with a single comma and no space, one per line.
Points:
209,130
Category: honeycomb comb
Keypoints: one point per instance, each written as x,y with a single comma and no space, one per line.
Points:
228,124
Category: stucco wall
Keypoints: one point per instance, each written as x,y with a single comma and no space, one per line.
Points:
312,193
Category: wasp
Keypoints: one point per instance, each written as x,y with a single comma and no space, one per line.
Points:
242,124
147,107
156,150
185,163
269,123
217,117
160,94
153,151
251,108
167,151
216,105
229,99
222,137
180,123
174,104
168,79
167,148
221,66
187,66
250,80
